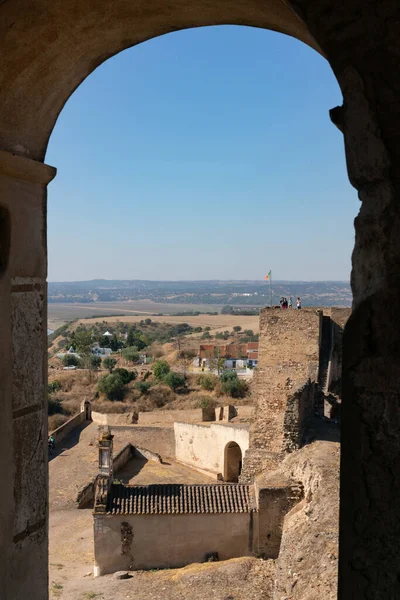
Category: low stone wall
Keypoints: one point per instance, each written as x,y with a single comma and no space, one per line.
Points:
157,439
194,415
66,428
112,418
122,457
245,412
148,454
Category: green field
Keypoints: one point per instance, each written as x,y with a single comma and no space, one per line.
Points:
59,313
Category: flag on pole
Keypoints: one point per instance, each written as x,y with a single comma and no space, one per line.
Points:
268,276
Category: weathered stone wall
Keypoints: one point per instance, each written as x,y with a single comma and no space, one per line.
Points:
282,385
112,418
299,408
193,415
66,428
339,318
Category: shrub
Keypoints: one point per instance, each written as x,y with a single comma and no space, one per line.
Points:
205,402
71,360
125,375
54,406
237,328
160,369
54,386
56,421
131,353
95,362
112,386
109,363
174,380
207,382
160,395
232,386
143,386
206,335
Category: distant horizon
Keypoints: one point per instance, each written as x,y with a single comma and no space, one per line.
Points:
204,280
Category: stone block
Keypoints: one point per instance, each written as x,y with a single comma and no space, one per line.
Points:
30,484
28,329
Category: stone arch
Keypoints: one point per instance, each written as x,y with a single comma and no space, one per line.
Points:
233,458
47,50
62,50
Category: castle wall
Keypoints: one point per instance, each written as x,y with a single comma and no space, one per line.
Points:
339,317
283,384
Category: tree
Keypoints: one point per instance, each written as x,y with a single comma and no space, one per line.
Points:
143,386
83,341
237,328
125,375
207,382
174,380
227,310
112,386
131,354
109,363
95,362
136,338
232,386
130,338
71,360
206,335
160,369
115,344
104,341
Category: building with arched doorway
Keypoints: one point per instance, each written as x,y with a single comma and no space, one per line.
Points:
214,448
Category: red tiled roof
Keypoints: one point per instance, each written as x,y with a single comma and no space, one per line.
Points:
252,345
179,499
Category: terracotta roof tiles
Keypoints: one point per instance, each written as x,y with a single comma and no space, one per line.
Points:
179,499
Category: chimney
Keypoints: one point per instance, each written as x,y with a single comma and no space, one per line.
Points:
106,454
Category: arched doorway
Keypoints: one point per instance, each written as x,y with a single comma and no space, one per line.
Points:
232,462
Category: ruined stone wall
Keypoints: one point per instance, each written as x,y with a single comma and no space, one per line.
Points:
339,318
288,362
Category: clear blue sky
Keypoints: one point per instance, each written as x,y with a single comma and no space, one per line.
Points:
203,154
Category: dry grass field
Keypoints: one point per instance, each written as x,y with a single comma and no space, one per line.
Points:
216,322
59,313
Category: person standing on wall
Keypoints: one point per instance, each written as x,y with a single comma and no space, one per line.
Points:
298,303
290,302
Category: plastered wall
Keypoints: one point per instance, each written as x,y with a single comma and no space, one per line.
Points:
203,446
162,541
